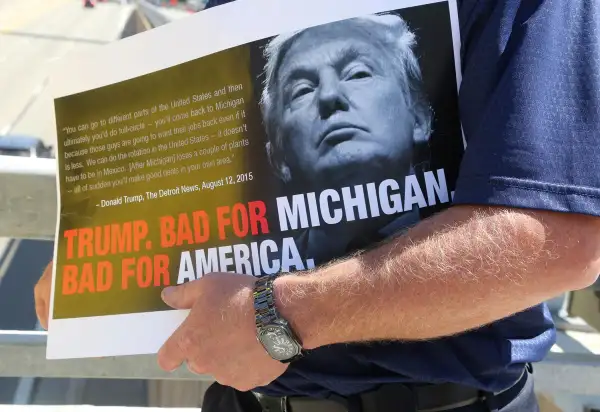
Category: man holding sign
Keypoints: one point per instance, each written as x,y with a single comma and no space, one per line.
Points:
447,315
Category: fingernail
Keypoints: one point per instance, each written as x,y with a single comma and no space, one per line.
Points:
169,368
167,291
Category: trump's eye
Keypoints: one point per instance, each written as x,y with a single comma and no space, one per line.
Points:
300,90
357,72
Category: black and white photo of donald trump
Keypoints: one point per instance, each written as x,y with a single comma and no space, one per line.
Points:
343,105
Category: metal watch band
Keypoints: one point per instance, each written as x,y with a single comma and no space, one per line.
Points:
264,306
266,314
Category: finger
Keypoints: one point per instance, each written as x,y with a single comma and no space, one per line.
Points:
41,311
40,305
172,353
194,369
182,296
42,296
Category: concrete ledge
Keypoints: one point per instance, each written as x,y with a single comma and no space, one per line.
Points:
568,373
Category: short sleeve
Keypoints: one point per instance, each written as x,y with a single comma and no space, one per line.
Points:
530,105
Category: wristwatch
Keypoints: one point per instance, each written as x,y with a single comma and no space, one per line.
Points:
272,331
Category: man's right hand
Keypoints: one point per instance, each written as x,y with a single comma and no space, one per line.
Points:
42,296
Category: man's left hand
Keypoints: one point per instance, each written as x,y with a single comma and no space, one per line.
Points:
218,338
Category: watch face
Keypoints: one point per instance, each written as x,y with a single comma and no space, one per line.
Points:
278,342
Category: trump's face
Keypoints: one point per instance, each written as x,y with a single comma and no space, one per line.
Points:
343,110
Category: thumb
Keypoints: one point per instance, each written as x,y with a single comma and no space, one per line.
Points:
181,296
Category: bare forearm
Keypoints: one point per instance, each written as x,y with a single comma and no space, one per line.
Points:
456,271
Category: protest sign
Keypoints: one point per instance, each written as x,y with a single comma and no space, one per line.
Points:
256,137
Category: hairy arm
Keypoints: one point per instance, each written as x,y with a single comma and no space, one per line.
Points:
456,271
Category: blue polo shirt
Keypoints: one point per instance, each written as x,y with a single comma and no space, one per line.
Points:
530,108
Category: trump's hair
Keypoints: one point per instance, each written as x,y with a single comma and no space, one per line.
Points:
396,42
